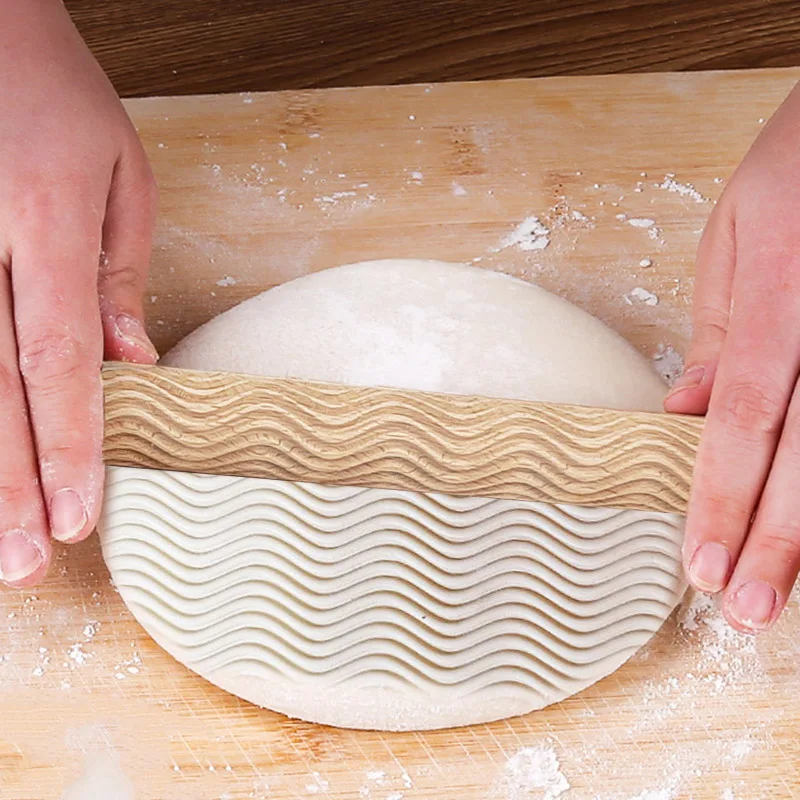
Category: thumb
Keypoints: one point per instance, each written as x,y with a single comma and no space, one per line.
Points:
127,239
711,307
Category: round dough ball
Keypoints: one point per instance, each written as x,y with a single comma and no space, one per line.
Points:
394,610
430,326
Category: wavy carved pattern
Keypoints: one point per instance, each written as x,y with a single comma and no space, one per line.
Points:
466,446
336,603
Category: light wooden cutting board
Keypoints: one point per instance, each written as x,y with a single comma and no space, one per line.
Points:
259,189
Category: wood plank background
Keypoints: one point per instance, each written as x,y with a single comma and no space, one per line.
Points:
177,47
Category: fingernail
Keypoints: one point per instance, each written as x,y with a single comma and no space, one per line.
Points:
689,380
132,332
753,604
67,515
709,567
19,557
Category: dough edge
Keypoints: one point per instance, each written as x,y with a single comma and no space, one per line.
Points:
380,708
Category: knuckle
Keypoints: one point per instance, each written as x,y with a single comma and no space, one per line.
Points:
71,460
42,201
779,541
723,510
9,383
710,322
120,275
752,406
36,204
52,357
14,494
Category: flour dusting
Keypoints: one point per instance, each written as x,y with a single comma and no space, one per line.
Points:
530,234
332,198
77,655
656,794
641,295
668,363
534,773
102,779
684,189
130,666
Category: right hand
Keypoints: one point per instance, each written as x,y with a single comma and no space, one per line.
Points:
77,205
742,528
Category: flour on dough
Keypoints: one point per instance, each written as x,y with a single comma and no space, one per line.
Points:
385,609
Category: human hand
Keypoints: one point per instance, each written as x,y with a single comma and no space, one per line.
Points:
743,523
74,184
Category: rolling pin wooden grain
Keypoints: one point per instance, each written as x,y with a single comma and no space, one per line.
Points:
229,424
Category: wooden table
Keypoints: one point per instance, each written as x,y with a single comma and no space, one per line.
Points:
258,189
155,47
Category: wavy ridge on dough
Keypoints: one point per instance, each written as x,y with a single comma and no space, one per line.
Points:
266,581
211,498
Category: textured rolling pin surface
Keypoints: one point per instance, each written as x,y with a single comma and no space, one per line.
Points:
467,446
300,589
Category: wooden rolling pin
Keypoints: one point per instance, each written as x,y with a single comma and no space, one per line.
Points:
228,424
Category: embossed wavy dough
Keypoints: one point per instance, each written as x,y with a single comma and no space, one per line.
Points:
386,609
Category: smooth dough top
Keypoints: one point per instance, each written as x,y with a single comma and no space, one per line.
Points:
429,326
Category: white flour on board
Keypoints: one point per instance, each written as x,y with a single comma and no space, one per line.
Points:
684,189
645,223
563,216
665,793
656,794
530,234
641,222
668,363
77,654
333,197
101,779
641,295
533,773
719,669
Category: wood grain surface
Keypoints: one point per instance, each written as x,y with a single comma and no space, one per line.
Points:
224,424
172,47
258,189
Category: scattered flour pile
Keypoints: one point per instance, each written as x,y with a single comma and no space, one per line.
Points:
534,773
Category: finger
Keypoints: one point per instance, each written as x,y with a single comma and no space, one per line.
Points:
769,563
710,314
24,541
59,339
127,236
754,383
